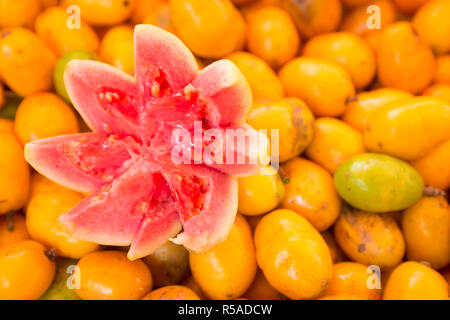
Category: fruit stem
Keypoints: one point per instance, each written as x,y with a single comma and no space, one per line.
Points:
51,254
351,99
284,176
430,191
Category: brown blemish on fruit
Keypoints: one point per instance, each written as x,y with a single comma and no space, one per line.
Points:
5,33
366,236
350,217
325,283
361,247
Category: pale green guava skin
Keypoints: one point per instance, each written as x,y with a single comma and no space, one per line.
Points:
58,73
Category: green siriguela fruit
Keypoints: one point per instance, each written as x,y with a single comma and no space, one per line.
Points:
378,183
61,286
58,74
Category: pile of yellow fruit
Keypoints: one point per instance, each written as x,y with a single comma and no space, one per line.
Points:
355,87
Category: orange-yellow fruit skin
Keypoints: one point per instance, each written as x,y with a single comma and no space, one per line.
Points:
409,6
14,174
272,36
422,122
323,85
48,3
348,50
260,193
6,125
172,293
117,48
352,278
404,60
263,81
43,212
109,275
334,142
44,115
415,281
310,192
161,17
372,38
211,29
241,2
51,26
370,238
293,255
337,255
18,13
261,289
440,91
341,297
432,23
26,63
190,283
442,74
16,234
434,168
253,5
216,270
26,271
361,109
355,19
292,119
314,17
426,228
103,13
352,3
39,184
145,7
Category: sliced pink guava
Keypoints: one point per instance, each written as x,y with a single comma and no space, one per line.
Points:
145,180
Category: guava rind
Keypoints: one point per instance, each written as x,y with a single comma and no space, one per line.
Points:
202,232
226,88
58,73
156,50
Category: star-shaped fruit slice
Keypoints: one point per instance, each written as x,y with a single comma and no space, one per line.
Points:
164,152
